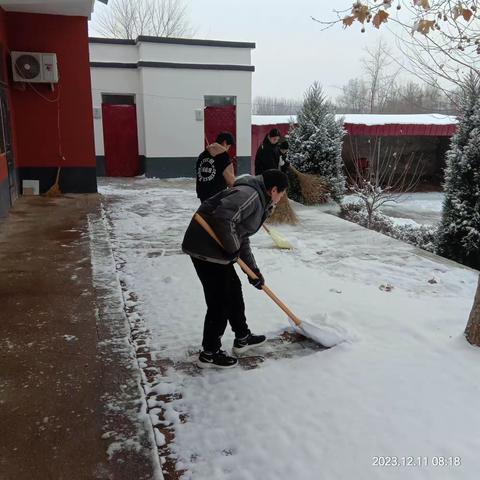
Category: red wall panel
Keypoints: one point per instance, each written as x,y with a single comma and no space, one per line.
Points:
353,129
121,140
34,118
3,167
221,119
4,44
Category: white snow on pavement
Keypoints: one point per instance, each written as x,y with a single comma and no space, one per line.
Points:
404,384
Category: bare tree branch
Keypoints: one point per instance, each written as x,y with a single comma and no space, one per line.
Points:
438,37
275,106
132,18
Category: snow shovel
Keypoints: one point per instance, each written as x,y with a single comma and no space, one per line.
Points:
278,240
306,329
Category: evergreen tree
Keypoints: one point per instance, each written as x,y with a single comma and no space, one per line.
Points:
459,234
316,141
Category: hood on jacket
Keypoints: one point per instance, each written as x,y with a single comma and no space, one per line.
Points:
215,149
255,182
267,143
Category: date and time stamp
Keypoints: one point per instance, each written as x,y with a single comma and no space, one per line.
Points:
416,462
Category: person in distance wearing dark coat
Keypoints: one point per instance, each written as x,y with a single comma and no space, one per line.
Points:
268,153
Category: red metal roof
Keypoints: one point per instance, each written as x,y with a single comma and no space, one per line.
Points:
396,129
373,125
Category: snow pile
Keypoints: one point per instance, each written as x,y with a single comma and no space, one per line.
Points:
322,331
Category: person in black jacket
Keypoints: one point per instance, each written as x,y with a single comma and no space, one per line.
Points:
268,153
214,169
234,215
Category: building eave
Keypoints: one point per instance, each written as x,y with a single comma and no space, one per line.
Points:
81,8
174,41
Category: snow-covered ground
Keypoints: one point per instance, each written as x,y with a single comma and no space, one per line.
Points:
413,208
422,208
405,384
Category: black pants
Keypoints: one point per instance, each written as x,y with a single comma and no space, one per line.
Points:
223,295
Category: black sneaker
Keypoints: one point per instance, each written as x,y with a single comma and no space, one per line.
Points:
241,345
219,359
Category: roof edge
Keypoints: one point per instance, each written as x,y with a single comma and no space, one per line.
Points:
175,65
172,41
112,41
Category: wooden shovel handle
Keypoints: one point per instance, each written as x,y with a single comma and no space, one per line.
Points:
249,272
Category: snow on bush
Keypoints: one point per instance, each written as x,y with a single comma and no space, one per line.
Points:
357,213
316,142
459,234
421,236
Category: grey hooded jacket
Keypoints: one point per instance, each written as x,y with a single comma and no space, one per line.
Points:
234,215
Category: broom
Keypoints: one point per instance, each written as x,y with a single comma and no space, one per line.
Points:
279,241
54,190
314,189
283,213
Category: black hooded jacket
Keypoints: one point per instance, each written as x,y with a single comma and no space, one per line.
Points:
267,157
209,171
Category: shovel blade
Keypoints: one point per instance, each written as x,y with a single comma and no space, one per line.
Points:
326,335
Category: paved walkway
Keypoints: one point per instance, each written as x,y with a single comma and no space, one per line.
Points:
71,402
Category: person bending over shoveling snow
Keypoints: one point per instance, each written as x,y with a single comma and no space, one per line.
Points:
234,215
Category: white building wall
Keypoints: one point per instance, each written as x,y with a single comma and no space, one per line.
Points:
167,98
171,97
165,52
102,52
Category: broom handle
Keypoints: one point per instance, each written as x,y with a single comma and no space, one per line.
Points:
249,272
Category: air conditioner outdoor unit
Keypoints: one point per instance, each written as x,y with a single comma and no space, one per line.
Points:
34,67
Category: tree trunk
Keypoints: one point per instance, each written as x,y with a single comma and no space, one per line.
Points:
472,332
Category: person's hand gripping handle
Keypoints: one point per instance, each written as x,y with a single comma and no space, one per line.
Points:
251,274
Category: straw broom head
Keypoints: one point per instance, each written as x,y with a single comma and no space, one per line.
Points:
313,187
283,213
54,190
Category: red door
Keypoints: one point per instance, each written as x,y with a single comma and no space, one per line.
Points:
221,119
120,140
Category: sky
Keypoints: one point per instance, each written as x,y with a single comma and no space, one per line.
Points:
291,50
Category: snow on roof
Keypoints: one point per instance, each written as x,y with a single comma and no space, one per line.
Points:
410,119
367,119
273,119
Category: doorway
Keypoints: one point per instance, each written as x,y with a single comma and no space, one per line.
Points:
6,148
120,137
220,115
